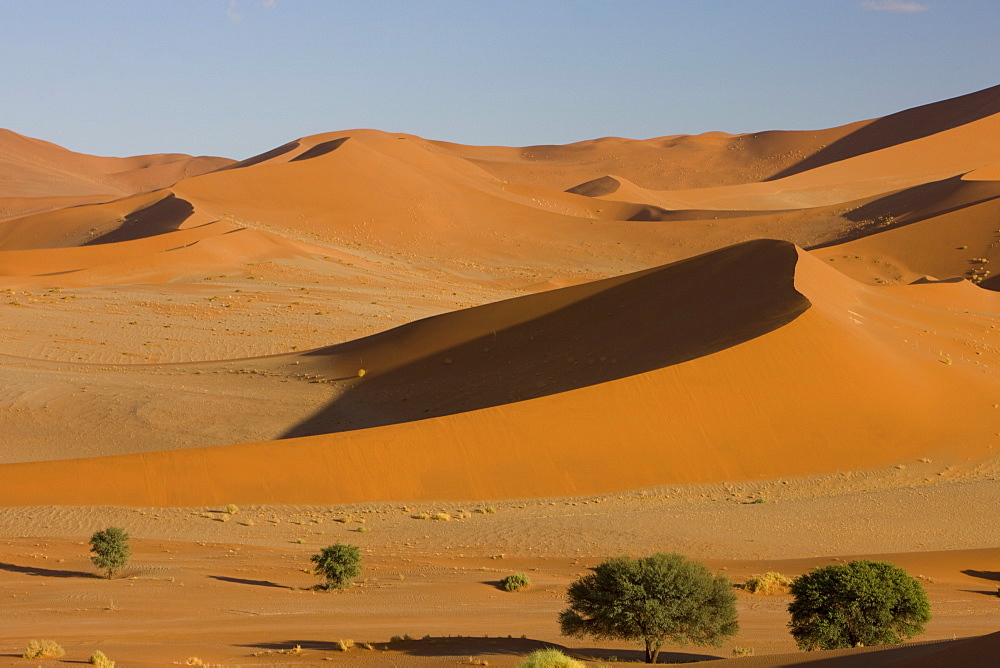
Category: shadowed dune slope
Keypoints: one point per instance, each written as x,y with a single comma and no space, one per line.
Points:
556,341
902,127
975,652
863,378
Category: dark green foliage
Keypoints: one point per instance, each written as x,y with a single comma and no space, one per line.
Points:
339,564
111,550
515,582
860,603
651,599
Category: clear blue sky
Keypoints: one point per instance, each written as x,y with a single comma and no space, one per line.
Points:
237,77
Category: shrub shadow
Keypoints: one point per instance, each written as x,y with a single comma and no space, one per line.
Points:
47,572
256,583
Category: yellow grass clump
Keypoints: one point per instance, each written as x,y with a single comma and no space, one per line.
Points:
43,649
768,584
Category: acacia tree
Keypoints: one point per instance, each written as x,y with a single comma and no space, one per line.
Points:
859,603
338,564
111,550
651,599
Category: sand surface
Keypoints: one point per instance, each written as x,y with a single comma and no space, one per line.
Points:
367,326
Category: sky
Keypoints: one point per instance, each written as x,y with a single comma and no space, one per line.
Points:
238,77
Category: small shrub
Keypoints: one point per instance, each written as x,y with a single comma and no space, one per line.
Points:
194,661
515,582
768,584
344,645
338,564
232,509
43,649
441,517
111,550
550,658
99,659
743,651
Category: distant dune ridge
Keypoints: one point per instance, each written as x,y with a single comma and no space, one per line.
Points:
672,310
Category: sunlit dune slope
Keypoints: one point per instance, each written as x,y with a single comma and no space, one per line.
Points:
789,368
525,216
35,168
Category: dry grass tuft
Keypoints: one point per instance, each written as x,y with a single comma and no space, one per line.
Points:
768,584
100,660
43,649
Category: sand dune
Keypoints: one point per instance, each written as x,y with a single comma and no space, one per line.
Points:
825,371
674,328
36,168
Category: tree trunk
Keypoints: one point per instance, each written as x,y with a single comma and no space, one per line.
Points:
652,651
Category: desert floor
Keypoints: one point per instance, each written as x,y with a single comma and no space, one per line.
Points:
238,592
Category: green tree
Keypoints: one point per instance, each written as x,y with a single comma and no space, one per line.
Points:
651,599
859,603
111,550
338,564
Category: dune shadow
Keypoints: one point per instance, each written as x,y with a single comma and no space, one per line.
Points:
320,149
256,583
902,127
561,340
47,572
262,157
164,216
983,575
879,214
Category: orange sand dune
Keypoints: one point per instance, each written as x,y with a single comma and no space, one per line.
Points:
188,253
789,369
497,207
35,168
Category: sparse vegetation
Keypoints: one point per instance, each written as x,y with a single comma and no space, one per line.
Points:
651,599
338,564
100,660
743,651
550,658
858,603
515,582
344,645
43,649
768,584
111,550
232,509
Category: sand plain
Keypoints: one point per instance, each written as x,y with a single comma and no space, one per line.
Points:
618,345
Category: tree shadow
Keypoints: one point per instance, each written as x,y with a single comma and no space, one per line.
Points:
463,646
47,572
256,583
557,341
985,592
902,127
983,575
